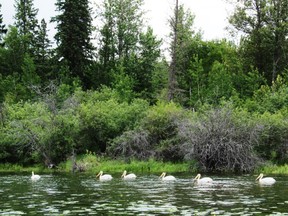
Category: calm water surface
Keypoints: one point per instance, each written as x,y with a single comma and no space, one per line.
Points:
82,194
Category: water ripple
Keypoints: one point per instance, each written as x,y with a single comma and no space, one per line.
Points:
65,194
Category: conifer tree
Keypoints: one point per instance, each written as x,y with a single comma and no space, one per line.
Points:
3,29
73,37
43,51
26,23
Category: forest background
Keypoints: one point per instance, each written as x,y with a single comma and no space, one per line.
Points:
217,105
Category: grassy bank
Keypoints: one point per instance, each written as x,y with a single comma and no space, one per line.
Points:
18,168
274,169
93,164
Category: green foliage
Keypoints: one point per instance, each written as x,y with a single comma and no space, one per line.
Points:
273,169
104,119
219,83
149,54
46,123
94,164
74,25
159,120
127,54
123,84
26,23
273,142
154,137
264,41
41,131
269,99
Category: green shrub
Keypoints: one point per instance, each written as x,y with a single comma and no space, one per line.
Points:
273,141
155,136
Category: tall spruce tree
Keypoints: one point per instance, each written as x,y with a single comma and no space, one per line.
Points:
73,37
3,29
26,23
43,51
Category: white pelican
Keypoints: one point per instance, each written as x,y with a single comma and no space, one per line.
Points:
166,178
130,176
265,181
35,177
102,177
200,181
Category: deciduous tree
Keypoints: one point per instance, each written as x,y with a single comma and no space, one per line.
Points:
264,43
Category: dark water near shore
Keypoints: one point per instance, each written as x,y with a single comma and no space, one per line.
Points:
82,194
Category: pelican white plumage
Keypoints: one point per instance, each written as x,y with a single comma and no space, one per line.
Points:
163,177
102,177
130,176
266,180
202,181
35,177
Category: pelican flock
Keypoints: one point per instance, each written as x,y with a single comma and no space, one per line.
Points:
35,177
197,180
163,177
202,181
105,177
266,180
130,176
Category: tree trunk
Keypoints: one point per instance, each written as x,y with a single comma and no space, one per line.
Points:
172,68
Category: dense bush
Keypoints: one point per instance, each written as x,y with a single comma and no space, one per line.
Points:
269,98
219,141
273,143
58,124
155,136
104,117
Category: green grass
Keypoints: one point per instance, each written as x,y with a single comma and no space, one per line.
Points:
18,168
274,169
94,164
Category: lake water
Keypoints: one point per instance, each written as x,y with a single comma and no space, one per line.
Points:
83,194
